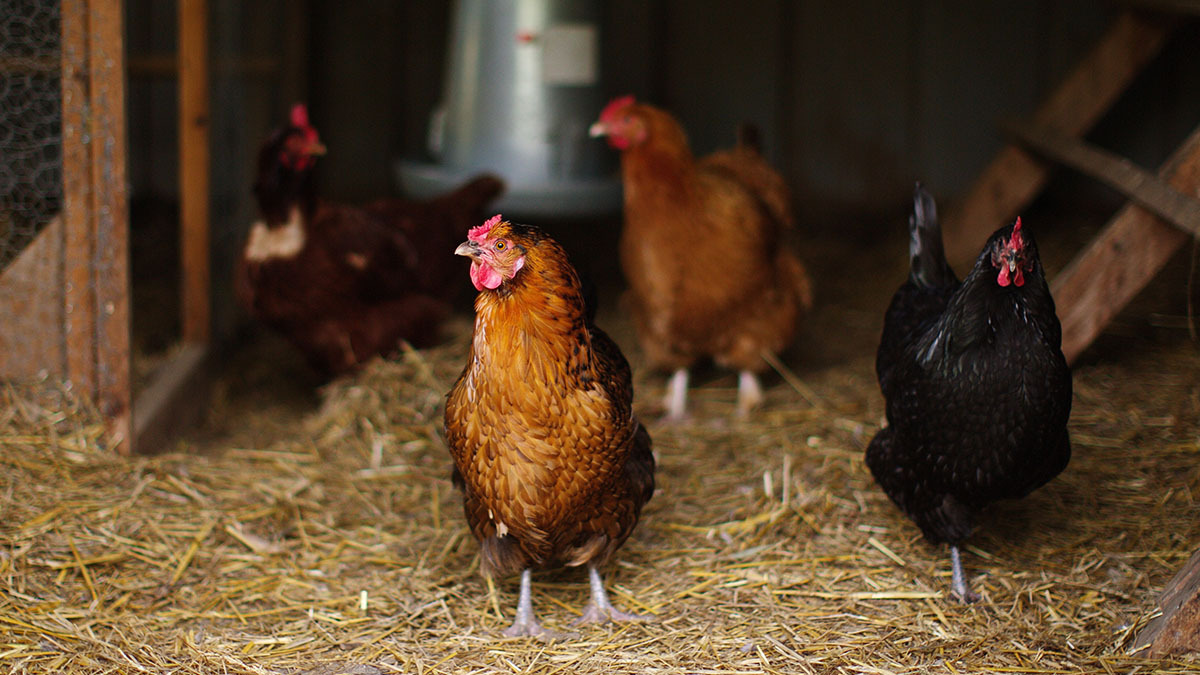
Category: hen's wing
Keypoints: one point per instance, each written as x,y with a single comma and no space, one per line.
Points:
616,377
746,164
379,260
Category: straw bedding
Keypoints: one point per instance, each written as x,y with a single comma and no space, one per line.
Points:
333,542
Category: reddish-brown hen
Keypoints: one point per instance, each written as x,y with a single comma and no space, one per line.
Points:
701,249
346,283
553,464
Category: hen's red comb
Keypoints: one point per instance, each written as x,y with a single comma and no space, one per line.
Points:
300,116
476,234
614,106
1016,241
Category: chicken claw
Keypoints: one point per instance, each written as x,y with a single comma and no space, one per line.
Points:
526,624
959,580
750,394
600,610
675,400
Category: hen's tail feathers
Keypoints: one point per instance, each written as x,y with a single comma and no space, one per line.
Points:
794,276
929,266
749,136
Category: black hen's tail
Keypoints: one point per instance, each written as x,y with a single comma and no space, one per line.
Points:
929,266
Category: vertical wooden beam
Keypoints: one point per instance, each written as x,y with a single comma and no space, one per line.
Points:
79,353
1014,176
1122,259
194,170
111,216
95,212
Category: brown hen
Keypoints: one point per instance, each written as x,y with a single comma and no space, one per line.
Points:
709,275
553,464
342,282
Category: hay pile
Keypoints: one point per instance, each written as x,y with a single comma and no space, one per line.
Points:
340,546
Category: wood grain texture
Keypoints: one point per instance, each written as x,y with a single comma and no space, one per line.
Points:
1134,182
1177,629
1122,259
194,169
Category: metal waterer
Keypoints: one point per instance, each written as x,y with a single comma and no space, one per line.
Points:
523,84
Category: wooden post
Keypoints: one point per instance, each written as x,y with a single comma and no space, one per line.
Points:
1014,177
1176,629
1122,259
194,170
95,212
171,400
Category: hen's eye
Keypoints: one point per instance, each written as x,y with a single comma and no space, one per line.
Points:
500,246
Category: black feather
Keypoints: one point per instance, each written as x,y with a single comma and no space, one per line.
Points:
978,392
929,268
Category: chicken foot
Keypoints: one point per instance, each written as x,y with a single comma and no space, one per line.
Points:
749,393
600,609
958,579
676,399
526,624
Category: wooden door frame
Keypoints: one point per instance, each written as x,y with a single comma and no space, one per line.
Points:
95,245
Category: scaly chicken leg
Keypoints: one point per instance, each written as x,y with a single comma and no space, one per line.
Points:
959,579
749,393
600,610
676,399
526,624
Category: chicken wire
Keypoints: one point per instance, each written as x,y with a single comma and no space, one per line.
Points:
63,280
31,181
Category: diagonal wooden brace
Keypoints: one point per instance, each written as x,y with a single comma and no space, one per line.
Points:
1014,176
1123,258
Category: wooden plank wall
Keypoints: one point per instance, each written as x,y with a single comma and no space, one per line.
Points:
32,304
856,99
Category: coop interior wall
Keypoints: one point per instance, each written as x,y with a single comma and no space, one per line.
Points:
855,100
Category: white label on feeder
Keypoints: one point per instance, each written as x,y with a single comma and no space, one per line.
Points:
569,54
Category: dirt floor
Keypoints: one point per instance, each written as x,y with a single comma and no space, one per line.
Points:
315,530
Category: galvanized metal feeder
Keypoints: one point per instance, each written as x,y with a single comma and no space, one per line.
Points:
523,85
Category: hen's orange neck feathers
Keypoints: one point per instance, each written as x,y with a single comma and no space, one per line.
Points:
534,318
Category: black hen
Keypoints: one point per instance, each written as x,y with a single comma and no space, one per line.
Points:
978,391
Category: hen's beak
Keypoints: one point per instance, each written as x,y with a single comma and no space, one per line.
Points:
316,149
597,130
469,249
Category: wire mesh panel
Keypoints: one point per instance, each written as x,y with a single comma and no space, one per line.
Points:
63,220
31,187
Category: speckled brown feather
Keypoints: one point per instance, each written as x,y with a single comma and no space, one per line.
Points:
345,283
347,295
701,249
554,466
